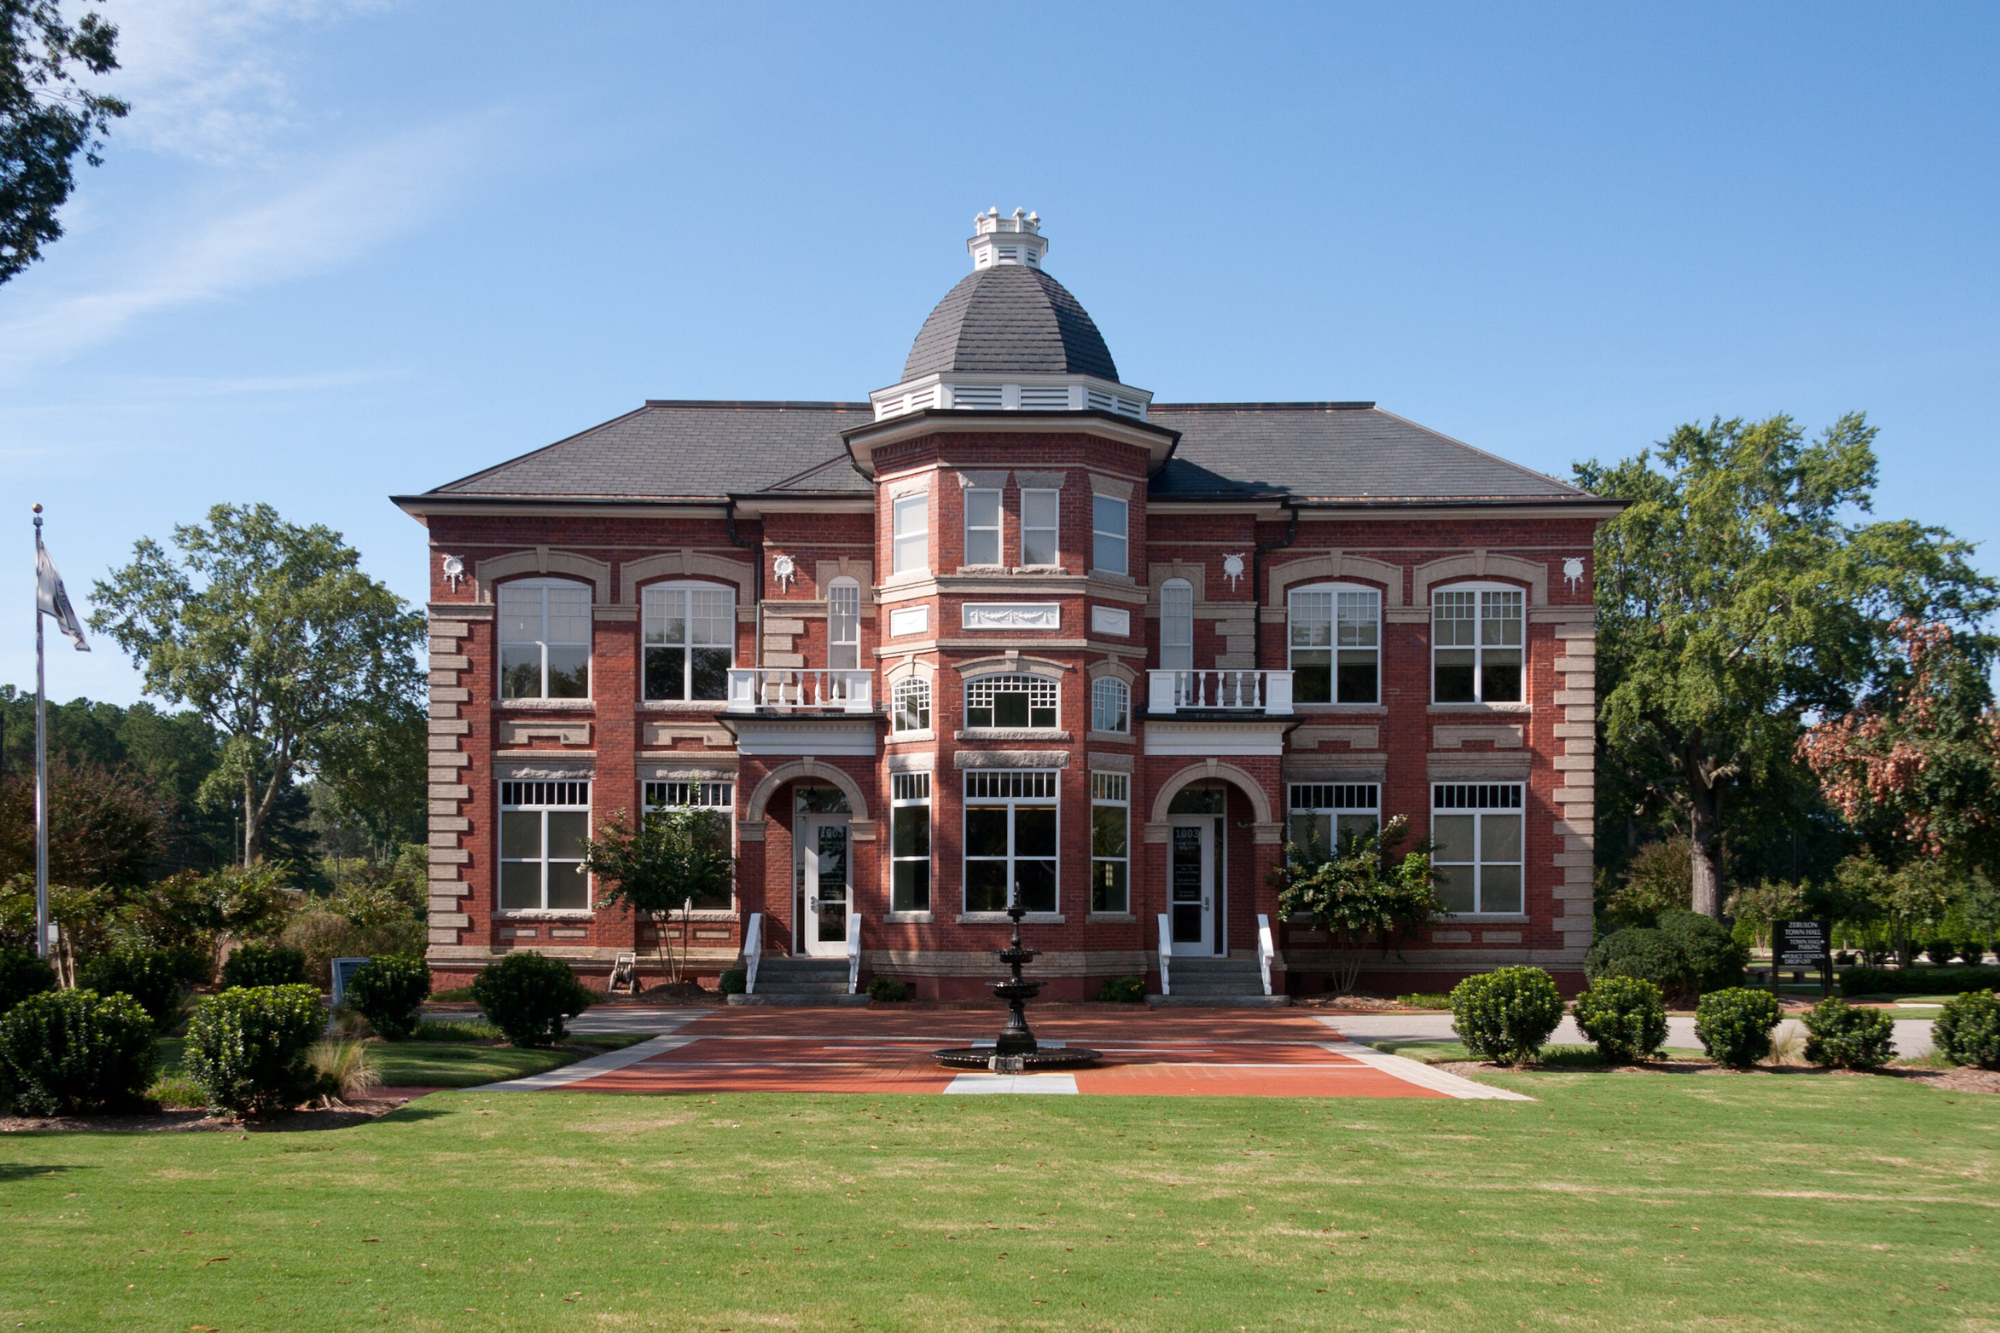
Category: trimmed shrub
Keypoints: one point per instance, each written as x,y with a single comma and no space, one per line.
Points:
1971,951
733,982
1715,959
1917,980
1846,1037
249,1047
156,978
387,991
1642,953
1940,951
1686,955
1425,1000
22,974
76,1050
1968,1031
1123,990
264,965
887,990
1506,1015
528,995
1625,1016
1735,1025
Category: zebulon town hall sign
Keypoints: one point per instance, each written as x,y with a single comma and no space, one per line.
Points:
1011,622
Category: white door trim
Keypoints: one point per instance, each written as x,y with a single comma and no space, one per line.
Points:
1204,947
806,841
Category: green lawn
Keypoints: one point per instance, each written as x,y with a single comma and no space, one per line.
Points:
1806,1202
438,1064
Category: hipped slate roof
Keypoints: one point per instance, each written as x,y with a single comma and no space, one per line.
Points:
1312,453
1010,317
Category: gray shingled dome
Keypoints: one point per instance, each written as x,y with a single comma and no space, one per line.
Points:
1010,318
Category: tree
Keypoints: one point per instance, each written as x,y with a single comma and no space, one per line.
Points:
46,119
106,826
1735,596
1354,894
275,637
667,859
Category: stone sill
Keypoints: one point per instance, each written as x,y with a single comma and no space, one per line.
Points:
896,737
1349,710
545,705
560,916
1009,734
716,706
1487,918
1110,737
908,918
1002,919
1481,710
1110,919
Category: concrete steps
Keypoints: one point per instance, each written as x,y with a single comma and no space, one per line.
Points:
1233,983
801,982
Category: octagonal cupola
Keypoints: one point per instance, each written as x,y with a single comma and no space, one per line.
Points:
1009,337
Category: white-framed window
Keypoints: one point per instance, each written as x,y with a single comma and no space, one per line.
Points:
1011,701
910,549
688,640
910,842
671,795
545,639
1336,642
1176,625
1110,841
1010,838
982,526
1476,645
1477,829
910,705
543,827
1109,545
1110,704
1040,513
1322,813
843,625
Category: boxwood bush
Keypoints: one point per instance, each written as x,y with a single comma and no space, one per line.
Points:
1625,1016
1735,1025
1847,1037
888,990
248,1047
76,1050
388,990
1968,1031
22,974
1123,990
1506,1015
528,995
264,965
1686,955
1917,980
733,981
156,978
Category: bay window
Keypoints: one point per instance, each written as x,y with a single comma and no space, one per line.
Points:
1010,701
982,526
1109,544
910,842
1110,842
1010,838
910,549
1039,515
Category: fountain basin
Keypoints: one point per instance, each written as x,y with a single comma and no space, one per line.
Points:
1051,1060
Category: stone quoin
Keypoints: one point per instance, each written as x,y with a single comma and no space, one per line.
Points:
1012,624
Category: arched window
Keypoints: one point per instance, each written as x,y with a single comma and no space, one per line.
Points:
1476,644
1010,701
843,625
1110,705
689,640
1176,625
544,639
911,705
1336,638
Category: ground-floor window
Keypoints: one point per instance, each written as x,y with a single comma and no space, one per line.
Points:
1323,813
543,827
1010,839
717,796
1477,827
1110,839
910,842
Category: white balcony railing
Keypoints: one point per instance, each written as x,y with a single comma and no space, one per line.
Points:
755,689
1219,692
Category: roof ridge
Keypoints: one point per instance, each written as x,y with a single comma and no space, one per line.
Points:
1352,406
779,403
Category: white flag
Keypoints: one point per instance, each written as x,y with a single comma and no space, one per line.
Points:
52,600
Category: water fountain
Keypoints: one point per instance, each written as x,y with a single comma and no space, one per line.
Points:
1016,1051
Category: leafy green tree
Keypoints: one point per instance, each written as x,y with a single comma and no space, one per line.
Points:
274,636
1736,595
1356,895
661,863
106,826
46,119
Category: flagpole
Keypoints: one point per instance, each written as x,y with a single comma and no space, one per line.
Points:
41,767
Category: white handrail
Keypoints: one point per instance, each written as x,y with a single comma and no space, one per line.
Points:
1226,691
753,952
853,951
752,688
1166,951
1266,950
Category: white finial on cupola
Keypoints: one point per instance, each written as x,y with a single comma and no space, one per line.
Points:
1008,240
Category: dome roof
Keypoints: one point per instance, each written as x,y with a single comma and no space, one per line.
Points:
1010,317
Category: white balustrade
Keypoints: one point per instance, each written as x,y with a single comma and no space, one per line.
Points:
753,952
752,689
1220,691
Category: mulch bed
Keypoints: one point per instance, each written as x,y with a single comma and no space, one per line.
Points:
1356,1004
180,1121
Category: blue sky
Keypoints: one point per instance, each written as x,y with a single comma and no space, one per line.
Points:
341,250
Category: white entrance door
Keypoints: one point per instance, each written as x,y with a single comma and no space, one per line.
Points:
828,880
1191,884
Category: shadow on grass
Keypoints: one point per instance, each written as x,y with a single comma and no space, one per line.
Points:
11,1171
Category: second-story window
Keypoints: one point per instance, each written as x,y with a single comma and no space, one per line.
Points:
911,705
1010,701
1039,512
1108,517
1336,645
982,526
843,625
1110,705
1476,645
545,640
910,549
689,640
1176,625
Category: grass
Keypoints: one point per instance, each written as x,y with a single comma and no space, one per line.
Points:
1614,1201
458,1061
1554,1057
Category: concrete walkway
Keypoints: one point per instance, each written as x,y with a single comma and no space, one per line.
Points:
1913,1035
629,1020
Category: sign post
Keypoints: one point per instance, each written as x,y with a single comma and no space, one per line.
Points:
1802,944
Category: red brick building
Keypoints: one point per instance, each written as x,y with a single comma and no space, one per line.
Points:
1011,624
